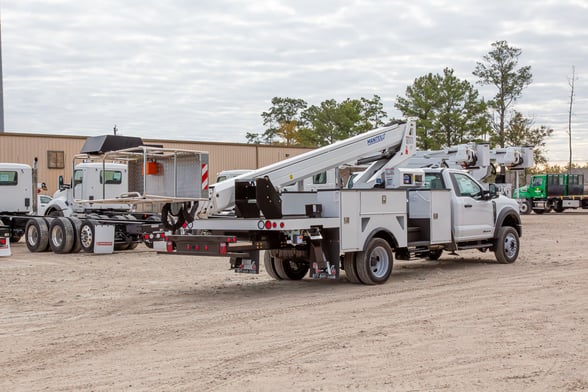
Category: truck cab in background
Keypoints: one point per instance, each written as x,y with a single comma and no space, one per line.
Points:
91,181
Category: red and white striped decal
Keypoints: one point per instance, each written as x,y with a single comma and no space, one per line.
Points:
204,176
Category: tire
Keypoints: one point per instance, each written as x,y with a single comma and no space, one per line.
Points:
171,218
374,265
132,245
350,268
558,206
507,245
434,254
121,246
525,207
268,263
291,268
538,211
77,224
87,234
61,235
37,235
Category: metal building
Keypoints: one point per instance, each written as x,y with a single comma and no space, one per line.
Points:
55,153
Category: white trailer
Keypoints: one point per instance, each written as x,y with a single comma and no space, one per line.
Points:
418,214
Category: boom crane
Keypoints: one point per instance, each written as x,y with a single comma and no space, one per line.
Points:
383,147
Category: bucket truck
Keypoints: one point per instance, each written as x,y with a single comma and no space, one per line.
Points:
392,211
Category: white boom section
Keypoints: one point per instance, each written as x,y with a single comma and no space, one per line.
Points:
394,143
477,159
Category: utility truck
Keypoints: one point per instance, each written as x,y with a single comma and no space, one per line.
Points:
556,192
392,211
102,196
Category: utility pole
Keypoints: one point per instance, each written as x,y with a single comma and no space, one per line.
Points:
1,86
571,82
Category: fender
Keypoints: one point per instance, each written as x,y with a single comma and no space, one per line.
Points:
508,216
59,205
387,235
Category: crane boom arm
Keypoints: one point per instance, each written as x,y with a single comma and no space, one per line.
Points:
393,143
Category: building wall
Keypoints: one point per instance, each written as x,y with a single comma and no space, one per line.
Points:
23,148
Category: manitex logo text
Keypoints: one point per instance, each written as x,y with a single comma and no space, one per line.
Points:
375,139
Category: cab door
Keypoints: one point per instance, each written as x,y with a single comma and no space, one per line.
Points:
473,213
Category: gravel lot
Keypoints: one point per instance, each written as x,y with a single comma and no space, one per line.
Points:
140,321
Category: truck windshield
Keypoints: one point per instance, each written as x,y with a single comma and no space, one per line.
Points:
537,181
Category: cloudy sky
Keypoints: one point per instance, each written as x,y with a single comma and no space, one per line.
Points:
206,69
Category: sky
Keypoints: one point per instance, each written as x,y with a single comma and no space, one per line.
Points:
205,70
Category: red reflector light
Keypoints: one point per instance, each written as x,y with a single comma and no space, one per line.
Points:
188,247
274,225
196,247
2,241
223,249
170,247
268,225
282,225
146,236
205,247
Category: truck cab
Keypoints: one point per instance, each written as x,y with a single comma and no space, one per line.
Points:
16,187
476,213
91,181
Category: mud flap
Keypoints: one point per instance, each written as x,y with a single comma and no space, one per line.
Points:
5,242
246,265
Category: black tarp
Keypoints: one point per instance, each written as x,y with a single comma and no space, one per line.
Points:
106,143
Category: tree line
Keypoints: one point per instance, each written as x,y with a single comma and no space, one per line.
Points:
449,111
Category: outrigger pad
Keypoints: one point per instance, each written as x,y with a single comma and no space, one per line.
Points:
245,203
268,198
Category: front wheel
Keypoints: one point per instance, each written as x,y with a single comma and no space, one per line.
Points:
525,207
507,245
374,265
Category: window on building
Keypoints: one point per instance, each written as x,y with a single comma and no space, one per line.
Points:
55,159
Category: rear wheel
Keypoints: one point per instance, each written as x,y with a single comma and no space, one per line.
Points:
87,234
507,245
435,254
374,265
350,268
61,235
291,268
538,211
77,224
558,206
270,268
37,235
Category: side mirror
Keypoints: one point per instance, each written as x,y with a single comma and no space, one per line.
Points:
60,182
492,191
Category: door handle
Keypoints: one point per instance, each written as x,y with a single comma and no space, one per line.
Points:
467,205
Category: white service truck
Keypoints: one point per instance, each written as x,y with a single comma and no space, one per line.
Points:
392,211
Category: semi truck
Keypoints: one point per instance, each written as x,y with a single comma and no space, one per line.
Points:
557,192
105,189
391,212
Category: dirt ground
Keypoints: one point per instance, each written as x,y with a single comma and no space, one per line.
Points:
140,321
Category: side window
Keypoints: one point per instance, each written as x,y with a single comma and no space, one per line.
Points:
78,177
320,178
434,181
111,177
465,186
8,178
